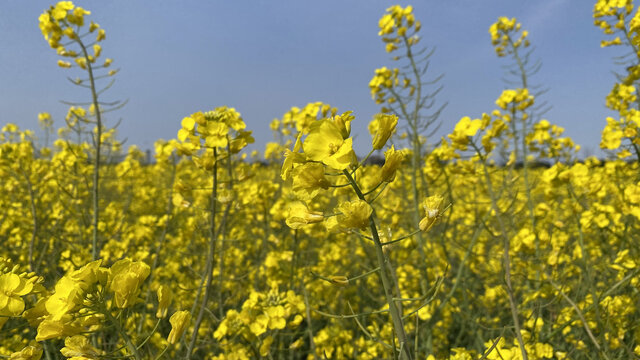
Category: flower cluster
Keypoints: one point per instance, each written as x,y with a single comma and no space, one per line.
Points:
397,26
494,243
219,128
506,36
14,286
63,22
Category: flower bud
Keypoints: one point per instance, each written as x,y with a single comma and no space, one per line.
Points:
339,280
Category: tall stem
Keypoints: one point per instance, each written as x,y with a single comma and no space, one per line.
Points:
130,345
394,311
210,256
34,218
163,237
95,191
224,234
506,256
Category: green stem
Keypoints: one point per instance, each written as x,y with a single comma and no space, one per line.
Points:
162,353
210,256
506,256
150,334
95,251
163,237
395,313
130,345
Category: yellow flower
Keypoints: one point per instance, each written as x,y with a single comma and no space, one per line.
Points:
383,125
44,119
464,129
179,322
77,16
611,135
276,316
164,300
82,62
392,161
51,328
87,275
126,277
433,207
64,64
325,144
59,12
343,122
520,97
31,352
386,24
266,346
101,35
292,157
228,325
242,139
97,50
93,26
214,134
12,288
79,345
340,280
227,115
299,215
259,325
354,214
308,179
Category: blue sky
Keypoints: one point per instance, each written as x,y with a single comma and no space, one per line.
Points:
262,57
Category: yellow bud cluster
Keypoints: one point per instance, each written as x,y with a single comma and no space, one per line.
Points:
627,128
220,128
45,120
506,36
382,80
520,98
262,313
398,26
299,119
613,17
464,129
64,20
546,141
621,97
617,10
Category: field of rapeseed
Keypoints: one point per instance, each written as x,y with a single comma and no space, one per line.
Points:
495,244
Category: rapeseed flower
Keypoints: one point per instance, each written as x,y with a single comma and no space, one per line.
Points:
382,127
12,288
125,279
433,207
392,161
79,347
300,215
32,351
326,144
354,214
179,323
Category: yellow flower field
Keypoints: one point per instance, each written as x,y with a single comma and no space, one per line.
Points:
498,243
